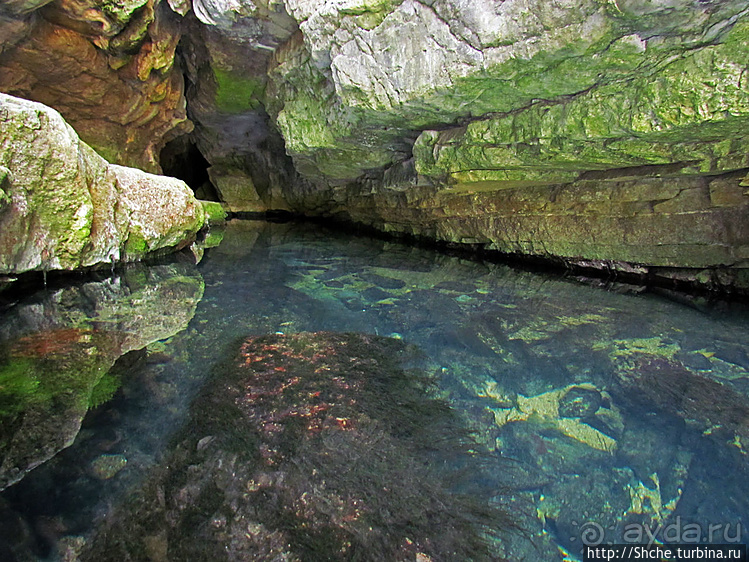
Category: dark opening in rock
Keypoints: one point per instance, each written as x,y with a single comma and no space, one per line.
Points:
181,159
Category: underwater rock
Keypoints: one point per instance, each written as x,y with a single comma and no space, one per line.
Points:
545,408
586,507
71,209
310,446
580,402
105,467
668,387
56,350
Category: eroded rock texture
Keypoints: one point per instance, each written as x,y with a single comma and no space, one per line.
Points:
227,48
62,206
603,133
107,67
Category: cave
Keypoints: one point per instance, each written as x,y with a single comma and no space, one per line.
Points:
500,314
181,159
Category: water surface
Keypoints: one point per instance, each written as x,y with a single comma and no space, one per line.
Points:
540,413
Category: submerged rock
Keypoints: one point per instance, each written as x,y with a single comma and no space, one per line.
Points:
67,208
580,402
310,446
665,385
105,467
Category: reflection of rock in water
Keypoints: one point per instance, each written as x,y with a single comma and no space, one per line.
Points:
315,446
57,347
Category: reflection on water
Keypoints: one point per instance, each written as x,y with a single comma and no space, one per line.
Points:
594,415
59,345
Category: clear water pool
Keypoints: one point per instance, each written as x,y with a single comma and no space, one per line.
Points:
544,413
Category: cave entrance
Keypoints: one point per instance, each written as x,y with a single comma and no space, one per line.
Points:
181,158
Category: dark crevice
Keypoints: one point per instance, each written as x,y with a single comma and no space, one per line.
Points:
182,159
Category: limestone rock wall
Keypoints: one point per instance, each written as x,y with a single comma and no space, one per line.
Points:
685,229
610,134
64,207
226,49
367,77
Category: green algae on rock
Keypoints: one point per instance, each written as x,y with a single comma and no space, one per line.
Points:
214,212
606,135
69,208
691,112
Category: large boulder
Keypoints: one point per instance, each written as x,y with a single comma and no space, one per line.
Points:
311,446
64,207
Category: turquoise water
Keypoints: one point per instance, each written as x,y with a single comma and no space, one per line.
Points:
543,413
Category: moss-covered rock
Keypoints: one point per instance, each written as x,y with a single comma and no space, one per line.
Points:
236,93
692,112
69,208
570,81
214,212
603,134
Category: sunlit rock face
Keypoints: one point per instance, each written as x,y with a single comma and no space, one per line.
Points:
56,351
62,206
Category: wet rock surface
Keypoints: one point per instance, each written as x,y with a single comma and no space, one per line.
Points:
602,136
307,446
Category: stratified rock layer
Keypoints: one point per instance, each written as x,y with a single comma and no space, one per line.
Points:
692,229
65,207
